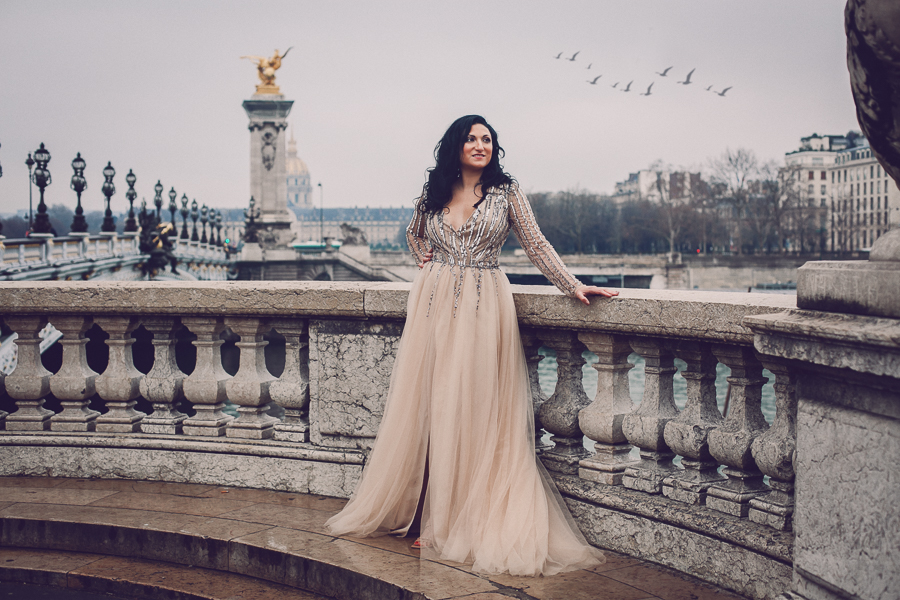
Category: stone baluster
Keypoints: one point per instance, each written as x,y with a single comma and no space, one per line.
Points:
205,386
119,385
162,386
645,425
291,390
730,442
73,385
29,383
688,433
601,421
249,388
559,414
773,452
531,344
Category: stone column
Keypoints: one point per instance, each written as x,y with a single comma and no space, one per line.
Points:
291,390
644,426
773,451
730,442
162,386
531,344
120,383
602,420
29,383
205,386
687,434
249,388
268,177
559,414
73,385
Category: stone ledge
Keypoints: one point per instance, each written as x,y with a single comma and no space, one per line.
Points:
136,578
777,545
737,554
710,316
857,287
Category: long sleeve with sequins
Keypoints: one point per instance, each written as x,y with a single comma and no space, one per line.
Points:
536,246
415,235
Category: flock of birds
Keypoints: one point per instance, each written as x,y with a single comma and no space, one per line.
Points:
627,87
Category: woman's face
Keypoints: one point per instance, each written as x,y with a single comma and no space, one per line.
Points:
477,149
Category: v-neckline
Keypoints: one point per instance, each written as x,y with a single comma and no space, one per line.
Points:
461,227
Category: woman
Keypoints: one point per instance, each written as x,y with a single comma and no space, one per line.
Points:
457,437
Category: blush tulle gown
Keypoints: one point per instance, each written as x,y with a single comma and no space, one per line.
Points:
460,399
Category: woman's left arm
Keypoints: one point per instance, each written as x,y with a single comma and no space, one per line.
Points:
542,254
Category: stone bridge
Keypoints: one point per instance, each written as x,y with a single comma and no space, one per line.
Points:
103,257
280,386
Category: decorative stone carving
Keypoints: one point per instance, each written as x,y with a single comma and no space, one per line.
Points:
559,414
119,385
602,420
644,427
291,390
205,386
687,434
162,386
269,137
73,385
249,388
730,443
531,344
774,450
29,383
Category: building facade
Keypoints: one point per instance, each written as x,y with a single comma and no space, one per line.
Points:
381,226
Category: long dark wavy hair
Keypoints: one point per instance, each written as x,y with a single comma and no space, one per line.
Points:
438,190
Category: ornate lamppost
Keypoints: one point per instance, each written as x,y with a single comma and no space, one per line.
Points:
173,208
29,162
250,216
212,226
219,228
204,217
184,216
195,214
130,195
157,202
79,184
108,189
42,179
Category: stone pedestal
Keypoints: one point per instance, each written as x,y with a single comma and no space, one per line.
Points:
268,179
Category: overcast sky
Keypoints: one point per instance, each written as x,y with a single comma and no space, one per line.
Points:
157,87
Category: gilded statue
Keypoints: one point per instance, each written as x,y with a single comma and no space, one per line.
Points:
266,68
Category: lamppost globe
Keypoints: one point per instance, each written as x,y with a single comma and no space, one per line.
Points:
79,184
108,189
158,188
42,179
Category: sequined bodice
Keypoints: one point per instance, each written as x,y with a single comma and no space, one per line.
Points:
477,243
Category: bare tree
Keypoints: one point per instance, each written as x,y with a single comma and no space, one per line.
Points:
733,171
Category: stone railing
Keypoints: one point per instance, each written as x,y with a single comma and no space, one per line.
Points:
104,256
216,404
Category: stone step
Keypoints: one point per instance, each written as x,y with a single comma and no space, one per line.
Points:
136,578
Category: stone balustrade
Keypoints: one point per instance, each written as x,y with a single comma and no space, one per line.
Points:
102,257
281,385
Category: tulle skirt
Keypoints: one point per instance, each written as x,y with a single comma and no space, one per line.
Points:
460,399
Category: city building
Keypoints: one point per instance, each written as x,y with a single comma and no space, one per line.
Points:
299,188
644,185
381,226
865,201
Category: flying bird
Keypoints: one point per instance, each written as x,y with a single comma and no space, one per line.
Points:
648,90
722,93
709,89
594,82
627,88
559,55
614,85
687,80
663,74
573,56
589,66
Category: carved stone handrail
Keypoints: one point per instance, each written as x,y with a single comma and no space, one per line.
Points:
309,428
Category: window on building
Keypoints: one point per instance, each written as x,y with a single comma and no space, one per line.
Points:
879,220
845,174
864,188
812,175
812,189
823,176
824,187
872,171
832,177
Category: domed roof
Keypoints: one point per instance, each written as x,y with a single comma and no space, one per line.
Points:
294,164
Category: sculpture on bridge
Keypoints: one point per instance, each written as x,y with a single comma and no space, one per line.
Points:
266,68
156,245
